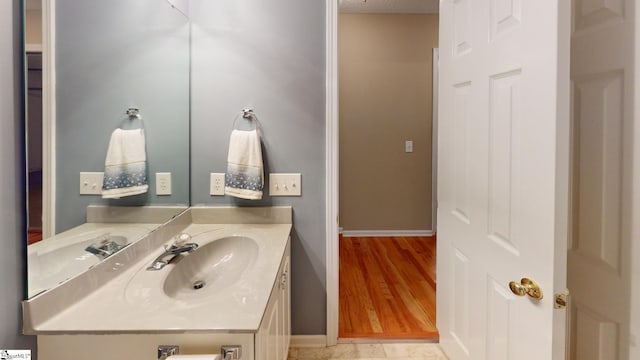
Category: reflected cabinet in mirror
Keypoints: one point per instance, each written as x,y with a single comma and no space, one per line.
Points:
108,56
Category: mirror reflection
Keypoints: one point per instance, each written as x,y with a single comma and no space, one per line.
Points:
63,256
110,56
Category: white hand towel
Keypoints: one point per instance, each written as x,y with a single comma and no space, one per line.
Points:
245,174
125,172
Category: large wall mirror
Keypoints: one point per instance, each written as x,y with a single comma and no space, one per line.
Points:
106,57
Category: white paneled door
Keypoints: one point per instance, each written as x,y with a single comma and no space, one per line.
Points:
503,177
602,65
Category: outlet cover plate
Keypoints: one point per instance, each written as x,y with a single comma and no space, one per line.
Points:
217,184
285,185
91,183
163,183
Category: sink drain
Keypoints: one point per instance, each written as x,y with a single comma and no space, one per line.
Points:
198,285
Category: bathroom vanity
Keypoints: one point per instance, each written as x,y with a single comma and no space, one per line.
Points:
231,289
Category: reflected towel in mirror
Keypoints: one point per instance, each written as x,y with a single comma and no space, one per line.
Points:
125,172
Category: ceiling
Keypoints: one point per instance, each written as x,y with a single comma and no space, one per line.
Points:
390,6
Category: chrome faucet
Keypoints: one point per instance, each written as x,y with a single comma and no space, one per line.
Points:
170,252
104,246
98,251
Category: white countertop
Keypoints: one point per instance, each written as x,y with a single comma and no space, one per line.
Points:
135,302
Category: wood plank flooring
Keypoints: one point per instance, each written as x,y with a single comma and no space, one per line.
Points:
34,236
388,287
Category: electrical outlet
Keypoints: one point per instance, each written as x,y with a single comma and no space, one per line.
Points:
217,184
285,185
163,183
91,183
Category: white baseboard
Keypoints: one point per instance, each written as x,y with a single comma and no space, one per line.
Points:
381,233
308,341
33,48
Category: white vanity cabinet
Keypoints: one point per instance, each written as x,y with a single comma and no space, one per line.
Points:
272,339
270,342
131,314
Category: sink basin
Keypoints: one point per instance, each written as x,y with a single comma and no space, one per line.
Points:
211,268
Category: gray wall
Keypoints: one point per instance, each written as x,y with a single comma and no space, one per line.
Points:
12,210
267,55
111,55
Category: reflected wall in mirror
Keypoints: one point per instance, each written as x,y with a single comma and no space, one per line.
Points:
112,55
109,56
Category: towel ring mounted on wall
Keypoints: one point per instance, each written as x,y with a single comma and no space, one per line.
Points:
249,115
134,113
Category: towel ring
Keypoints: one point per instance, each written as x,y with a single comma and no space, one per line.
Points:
134,112
249,115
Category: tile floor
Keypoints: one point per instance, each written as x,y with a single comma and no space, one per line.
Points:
370,351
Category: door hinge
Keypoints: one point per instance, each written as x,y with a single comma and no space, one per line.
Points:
561,300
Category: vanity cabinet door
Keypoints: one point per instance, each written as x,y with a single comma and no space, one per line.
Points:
273,337
285,305
267,337
273,346
265,342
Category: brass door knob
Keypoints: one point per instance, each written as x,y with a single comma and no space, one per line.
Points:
526,287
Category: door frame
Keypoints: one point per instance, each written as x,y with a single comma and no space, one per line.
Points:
332,166
434,140
48,119
331,170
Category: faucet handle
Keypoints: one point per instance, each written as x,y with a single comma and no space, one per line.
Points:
103,237
182,239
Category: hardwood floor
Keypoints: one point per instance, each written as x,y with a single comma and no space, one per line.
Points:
388,287
34,236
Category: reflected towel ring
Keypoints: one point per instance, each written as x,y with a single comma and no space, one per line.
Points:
134,112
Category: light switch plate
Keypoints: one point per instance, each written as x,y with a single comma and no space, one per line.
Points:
91,183
408,146
216,186
285,185
163,183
